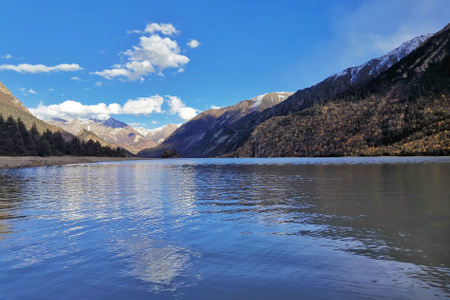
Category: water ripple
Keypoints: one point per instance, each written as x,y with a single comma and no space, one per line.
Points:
280,228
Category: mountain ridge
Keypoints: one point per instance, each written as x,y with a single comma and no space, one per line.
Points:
403,111
318,93
11,106
227,139
192,139
114,132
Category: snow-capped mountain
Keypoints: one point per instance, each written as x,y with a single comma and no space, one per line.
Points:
267,100
111,131
403,111
158,135
113,123
195,137
378,65
221,131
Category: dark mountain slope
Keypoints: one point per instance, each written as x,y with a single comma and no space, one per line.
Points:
350,78
198,137
11,106
405,111
113,123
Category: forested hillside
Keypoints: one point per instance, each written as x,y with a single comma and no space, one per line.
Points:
239,132
406,111
17,140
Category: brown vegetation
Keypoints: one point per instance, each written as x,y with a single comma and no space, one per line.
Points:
374,126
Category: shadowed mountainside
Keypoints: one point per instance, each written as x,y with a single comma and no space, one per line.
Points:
201,137
405,111
198,137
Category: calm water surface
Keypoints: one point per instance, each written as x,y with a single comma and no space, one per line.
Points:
333,228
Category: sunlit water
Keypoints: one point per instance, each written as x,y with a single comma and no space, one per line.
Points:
322,228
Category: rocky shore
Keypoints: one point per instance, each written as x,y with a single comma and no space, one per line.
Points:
9,162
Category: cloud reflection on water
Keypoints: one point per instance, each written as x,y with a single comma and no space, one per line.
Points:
169,225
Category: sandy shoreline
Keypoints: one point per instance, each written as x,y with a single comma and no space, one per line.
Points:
9,162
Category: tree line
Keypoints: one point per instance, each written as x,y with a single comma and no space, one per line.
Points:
17,140
170,154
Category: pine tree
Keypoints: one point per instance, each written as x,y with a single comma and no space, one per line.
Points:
89,148
14,138
4,147
27,138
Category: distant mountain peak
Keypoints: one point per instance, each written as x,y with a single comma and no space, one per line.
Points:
268,99
376,66
59,120
5,90
111,122
8,98
158,135
110,130
95,120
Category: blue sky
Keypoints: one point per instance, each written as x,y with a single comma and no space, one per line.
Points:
158,62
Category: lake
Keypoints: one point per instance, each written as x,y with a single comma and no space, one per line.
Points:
286,228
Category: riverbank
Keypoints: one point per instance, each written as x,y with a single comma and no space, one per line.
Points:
10,162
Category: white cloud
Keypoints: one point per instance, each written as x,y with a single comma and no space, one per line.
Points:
153,54
163,52
134,125
51,90
144,105
110,74
7,56
193,44
134,31
99,83
215,107
25,92
166,29
103,117
178,107
75,78
73,109
140,106
39,68
102,52
154,122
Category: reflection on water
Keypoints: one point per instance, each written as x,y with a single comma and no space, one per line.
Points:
228,228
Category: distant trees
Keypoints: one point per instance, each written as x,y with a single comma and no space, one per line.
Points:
376,125
16,140
170,154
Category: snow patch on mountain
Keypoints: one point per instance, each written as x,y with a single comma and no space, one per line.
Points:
158,135
378,65
276,97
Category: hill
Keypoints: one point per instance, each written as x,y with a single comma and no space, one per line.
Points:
404,111
350,78
198,137
23,134
11,106
111,131
158,135
209,135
